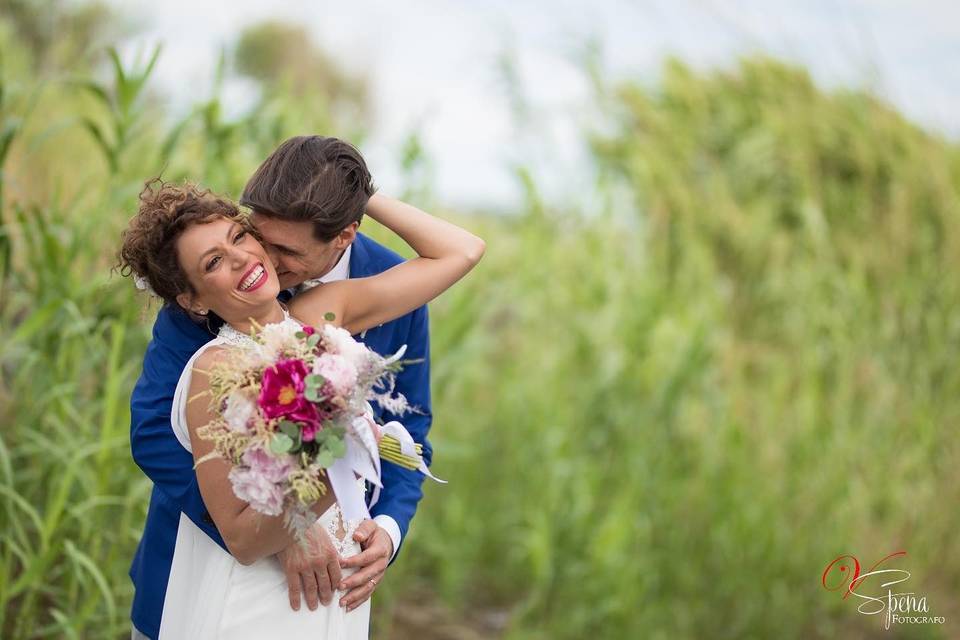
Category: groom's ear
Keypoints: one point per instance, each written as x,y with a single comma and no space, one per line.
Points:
346,237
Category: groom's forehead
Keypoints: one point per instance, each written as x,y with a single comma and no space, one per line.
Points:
287,233
286,229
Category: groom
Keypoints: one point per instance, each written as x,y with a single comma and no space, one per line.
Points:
307,200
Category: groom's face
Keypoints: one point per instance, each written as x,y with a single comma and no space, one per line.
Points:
295,252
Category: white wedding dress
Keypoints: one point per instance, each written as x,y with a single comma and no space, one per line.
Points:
211,595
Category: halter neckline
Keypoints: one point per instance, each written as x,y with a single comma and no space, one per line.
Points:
230,335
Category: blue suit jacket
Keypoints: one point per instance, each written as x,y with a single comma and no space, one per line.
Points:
158,453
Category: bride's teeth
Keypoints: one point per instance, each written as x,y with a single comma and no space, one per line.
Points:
253,277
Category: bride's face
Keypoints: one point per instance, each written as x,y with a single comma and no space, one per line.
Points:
228,268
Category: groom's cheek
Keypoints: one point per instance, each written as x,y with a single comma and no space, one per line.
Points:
274,256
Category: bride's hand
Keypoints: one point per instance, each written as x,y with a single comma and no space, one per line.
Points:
313,570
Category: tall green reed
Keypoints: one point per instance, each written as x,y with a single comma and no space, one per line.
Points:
661,420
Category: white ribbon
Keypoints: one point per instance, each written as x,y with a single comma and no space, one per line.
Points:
362,459
408,446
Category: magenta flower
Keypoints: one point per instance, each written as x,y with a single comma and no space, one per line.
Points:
308,431
281,395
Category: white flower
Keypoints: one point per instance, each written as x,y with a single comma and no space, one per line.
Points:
276,337
393,403
338,372
144,285
238,411
338,340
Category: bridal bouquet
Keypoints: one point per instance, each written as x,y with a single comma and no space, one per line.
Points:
296,407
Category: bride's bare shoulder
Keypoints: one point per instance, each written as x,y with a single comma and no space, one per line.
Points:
313,306
210,356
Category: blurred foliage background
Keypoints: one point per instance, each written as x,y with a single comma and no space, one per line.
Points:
661,416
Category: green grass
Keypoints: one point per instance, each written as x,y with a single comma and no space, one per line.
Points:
661,417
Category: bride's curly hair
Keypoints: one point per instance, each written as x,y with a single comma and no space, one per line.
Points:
149,243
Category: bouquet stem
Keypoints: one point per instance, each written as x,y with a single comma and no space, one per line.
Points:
390,450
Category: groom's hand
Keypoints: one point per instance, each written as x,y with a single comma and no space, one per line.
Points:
313,571
370,563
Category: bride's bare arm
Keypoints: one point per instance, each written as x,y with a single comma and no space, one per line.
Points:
446,253
248,534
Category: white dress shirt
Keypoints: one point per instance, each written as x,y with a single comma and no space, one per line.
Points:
341,271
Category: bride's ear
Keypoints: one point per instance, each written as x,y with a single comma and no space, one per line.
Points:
186,302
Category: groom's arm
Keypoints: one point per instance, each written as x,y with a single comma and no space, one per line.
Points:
153,444
402,488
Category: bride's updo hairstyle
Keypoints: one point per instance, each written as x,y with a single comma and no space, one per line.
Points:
149,249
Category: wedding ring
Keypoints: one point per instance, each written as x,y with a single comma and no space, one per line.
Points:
373,582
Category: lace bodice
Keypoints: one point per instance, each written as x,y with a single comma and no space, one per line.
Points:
229,335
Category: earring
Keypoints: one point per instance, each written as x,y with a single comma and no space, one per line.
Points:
204,312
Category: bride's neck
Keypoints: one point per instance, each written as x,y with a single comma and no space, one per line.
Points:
267,315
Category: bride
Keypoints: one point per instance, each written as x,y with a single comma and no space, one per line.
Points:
195,250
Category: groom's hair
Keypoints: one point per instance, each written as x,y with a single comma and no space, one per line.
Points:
314,179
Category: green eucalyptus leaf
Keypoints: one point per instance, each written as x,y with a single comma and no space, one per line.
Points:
281,443
325,458
290,429
337,447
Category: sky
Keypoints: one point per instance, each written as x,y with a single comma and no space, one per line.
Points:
433,67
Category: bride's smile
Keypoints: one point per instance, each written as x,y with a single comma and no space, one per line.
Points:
257,276
229,271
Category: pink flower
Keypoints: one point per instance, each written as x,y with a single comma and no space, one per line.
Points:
281,393
273,468
258,481
339,373
307,329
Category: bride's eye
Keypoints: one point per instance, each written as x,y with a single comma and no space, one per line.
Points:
212,263
240,236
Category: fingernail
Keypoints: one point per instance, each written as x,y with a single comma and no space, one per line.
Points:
342,586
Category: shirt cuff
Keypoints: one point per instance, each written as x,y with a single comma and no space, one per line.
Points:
389,525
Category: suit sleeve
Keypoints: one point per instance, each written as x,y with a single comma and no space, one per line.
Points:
402,488
153,444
